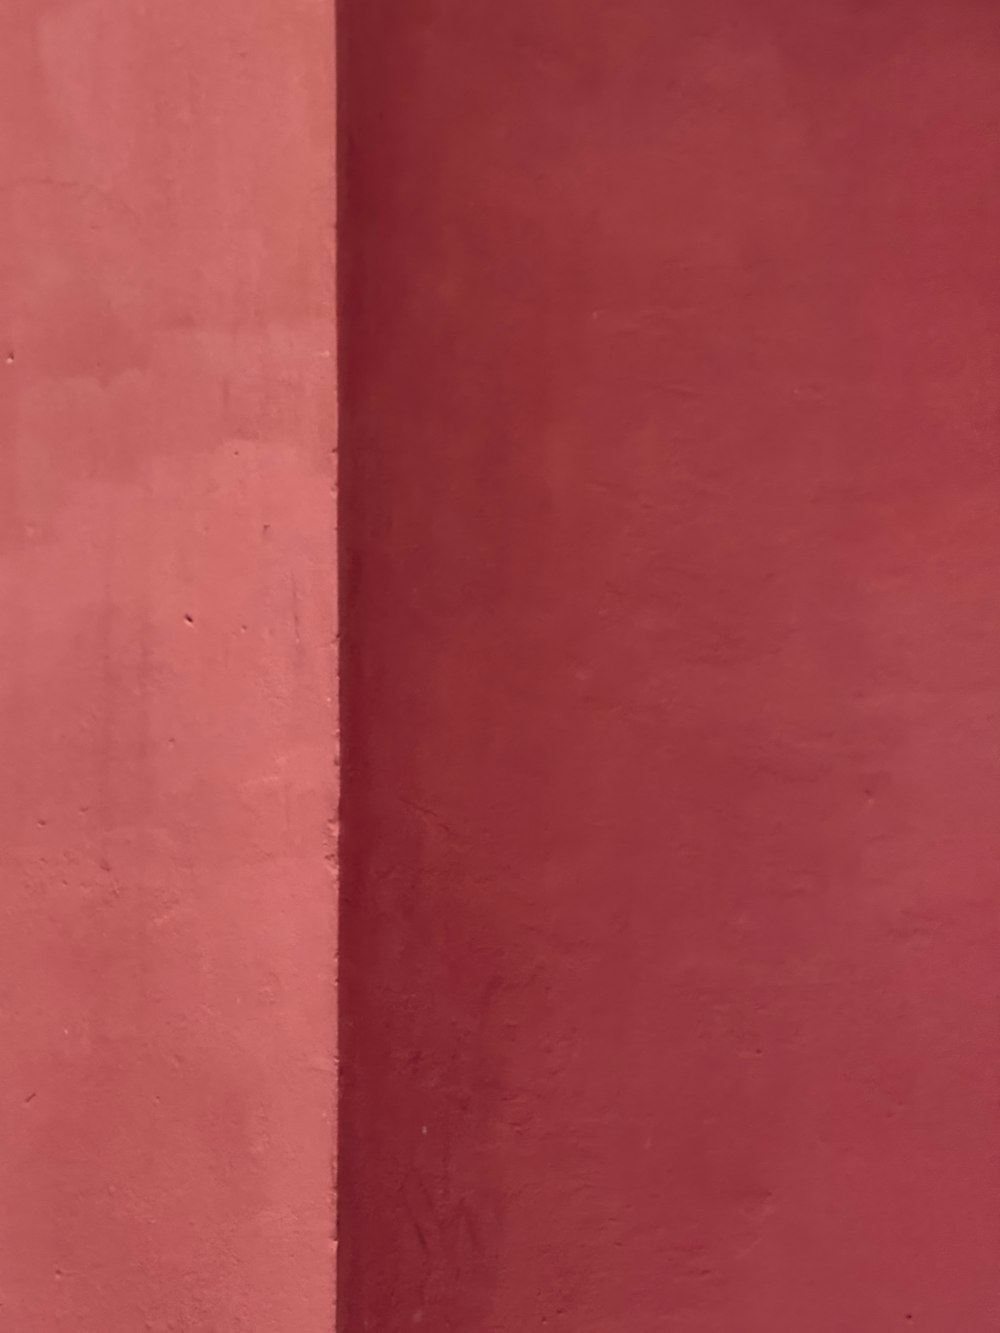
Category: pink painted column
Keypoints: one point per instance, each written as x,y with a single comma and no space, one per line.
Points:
167,667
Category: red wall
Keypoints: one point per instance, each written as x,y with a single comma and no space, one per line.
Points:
672,527
166,666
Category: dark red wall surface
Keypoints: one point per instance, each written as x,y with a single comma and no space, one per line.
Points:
167,686
672,524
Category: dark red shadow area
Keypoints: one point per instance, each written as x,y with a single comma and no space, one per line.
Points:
671,528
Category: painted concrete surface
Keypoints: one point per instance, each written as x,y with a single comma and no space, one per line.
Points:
167,730
673,666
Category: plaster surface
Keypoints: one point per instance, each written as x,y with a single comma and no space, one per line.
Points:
673,666
167,667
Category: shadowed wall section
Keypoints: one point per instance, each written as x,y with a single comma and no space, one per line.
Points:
672,536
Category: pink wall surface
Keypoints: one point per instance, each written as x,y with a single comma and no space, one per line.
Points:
167,671
671,998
